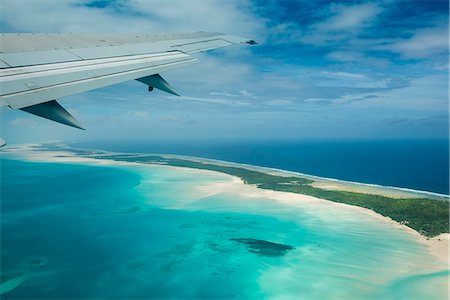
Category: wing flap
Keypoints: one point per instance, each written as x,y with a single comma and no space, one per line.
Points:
33,85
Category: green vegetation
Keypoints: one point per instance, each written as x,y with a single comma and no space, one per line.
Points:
429,217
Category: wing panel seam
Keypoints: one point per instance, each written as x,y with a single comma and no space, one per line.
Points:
86,62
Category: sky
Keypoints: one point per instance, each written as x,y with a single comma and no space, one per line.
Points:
321,70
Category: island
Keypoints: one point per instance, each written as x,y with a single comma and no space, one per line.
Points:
425,213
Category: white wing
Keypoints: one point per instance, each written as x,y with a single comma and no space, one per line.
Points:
36,69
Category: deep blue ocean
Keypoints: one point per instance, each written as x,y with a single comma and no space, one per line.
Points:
415,164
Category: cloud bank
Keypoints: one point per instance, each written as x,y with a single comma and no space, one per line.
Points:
322,70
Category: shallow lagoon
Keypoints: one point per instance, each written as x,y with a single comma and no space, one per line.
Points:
150,232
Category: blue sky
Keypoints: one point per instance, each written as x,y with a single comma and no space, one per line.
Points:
322,69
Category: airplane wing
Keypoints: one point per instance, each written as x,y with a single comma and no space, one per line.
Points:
37,69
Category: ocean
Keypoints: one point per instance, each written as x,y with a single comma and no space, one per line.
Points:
91,231
415,164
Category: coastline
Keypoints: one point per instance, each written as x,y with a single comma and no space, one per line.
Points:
437,246
319,182
333,184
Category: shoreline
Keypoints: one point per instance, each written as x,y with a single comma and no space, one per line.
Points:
346,185
404,192
437,246
269,170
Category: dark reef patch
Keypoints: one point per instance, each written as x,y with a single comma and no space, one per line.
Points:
34,262
264,248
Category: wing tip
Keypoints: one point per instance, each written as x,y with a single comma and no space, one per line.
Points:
78,126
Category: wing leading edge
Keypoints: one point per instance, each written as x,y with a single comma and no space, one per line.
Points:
36,69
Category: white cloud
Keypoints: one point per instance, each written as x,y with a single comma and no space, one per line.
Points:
354,80
225,94
279,102
357,57
247,94
130,16
177,119
350,28
424,43
345,56
349,17
423,95
25,122
232,81
344,75
343,22
138,114
221,101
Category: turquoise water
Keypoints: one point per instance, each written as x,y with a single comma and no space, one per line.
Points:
131,232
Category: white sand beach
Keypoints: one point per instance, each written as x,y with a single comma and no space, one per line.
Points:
438,246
